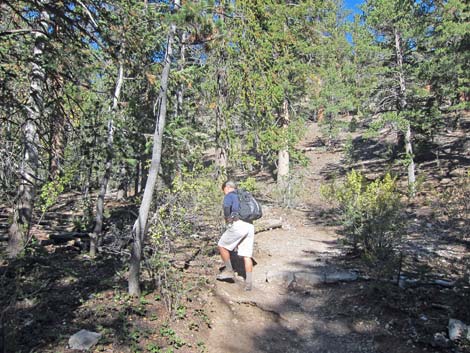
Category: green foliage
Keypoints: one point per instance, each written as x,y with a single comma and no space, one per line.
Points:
193,194
248,184
51,191
194,198
153,348
170,334
371,214
349,150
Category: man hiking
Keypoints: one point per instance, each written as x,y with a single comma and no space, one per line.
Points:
239,234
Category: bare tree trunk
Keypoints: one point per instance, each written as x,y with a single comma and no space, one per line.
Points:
57,144
95,236
182,62
123,183
19,230
137,178
221,159
221,153
283,157
140,225
411,163
402,104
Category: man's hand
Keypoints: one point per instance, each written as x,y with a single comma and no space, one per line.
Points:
230,220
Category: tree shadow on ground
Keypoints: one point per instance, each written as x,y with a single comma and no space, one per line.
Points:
43,294
360,316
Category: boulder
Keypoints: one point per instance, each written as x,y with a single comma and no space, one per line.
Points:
458,173
457,330
308,279
84,340
281,277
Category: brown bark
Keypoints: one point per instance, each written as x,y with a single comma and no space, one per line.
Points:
321,114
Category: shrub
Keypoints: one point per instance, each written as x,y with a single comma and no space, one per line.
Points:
249,184
188,206
371,215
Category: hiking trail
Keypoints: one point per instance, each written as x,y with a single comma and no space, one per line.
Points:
303,300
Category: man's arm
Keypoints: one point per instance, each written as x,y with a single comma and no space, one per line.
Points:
231,207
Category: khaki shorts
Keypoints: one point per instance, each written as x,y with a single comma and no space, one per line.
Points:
239,234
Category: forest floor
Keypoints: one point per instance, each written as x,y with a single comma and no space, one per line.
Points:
311,294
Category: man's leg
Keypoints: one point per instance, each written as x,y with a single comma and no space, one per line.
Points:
225,255
227,272
249,273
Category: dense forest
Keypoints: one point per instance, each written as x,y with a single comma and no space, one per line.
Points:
119,121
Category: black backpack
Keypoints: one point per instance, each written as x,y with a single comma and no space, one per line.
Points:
250,209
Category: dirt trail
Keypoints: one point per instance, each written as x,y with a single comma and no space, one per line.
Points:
282,315
276,317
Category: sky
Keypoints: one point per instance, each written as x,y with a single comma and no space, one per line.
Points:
352,4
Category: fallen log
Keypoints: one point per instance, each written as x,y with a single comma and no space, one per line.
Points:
309,149
268,225
66,236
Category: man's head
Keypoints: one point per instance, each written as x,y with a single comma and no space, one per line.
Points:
228,186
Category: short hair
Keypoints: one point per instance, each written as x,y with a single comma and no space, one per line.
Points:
230,184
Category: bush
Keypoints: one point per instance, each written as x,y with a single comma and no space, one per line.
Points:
371,215
190,205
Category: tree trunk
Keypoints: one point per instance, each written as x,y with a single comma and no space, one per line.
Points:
95,236
123,183
180,88
402,105
283,157
411,163
57,144
140,225
221,156
18,232
221,160
137,178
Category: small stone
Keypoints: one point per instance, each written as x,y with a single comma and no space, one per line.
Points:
440,340
84,340
446,181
